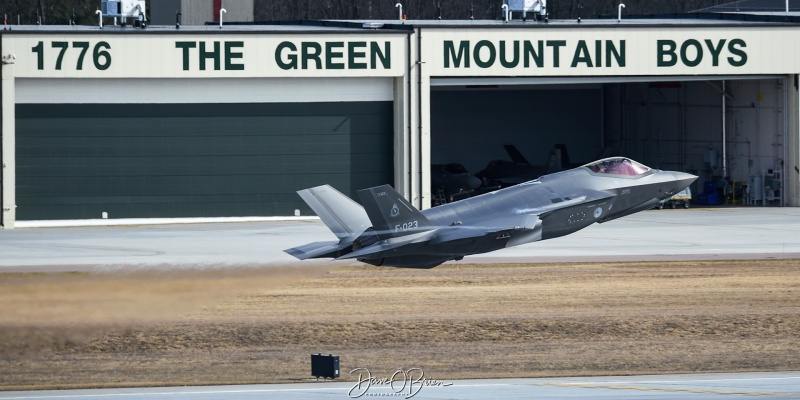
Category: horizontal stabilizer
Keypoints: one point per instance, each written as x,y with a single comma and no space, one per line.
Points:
317,250
391,214
342,215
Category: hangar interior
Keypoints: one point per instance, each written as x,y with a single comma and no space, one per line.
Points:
673,125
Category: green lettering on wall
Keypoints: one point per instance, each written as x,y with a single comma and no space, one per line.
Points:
666,48
450,54
476,53
556,45
735,46
214,55
63,46
598,53
384,55
230,55
581,55
514,61
685,53
715,50
311,51
331,53
353,54
618,55
100,57
529,53
291,58
185,46
84,46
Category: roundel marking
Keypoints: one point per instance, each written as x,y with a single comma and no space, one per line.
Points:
598,212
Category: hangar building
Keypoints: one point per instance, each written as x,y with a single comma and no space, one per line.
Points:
208,121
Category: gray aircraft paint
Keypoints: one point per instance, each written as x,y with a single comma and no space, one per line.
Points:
552,206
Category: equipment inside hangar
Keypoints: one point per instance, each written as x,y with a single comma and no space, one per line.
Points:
730,132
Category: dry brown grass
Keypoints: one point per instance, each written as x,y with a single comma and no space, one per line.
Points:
455,321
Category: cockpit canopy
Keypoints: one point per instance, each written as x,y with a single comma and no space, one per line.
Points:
618,166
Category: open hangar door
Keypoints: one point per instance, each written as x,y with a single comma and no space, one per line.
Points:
673,123
680,125
473,124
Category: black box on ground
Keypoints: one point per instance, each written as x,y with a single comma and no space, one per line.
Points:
324,366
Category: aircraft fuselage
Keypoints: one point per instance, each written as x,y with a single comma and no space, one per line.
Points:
566,202
384,229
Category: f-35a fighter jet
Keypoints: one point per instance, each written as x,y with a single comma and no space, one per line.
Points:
386,230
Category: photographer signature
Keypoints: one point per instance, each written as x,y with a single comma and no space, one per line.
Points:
406,383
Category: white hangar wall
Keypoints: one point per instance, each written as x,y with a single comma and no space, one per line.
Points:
610,50
660,89
145,124
622,78
205,54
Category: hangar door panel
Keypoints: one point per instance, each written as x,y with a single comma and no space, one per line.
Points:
198,160
471,126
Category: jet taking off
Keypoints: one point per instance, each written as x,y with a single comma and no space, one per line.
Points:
386,230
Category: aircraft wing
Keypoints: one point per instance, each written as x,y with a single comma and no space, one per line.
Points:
517,230
584,199
497,226
390,244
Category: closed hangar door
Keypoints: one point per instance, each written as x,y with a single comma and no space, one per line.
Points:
196,147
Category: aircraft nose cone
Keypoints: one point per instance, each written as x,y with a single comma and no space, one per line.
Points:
474,182
684,179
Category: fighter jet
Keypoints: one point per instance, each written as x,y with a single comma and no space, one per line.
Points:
453,180
509,173
385,229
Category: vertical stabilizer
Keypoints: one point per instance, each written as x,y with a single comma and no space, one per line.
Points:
342,215
391,214
515,155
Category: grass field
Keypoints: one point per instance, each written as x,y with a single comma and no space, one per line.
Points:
260,325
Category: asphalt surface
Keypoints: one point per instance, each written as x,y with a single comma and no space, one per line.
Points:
774,385
694,234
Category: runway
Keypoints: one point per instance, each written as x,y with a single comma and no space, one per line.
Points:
774,385
694,234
